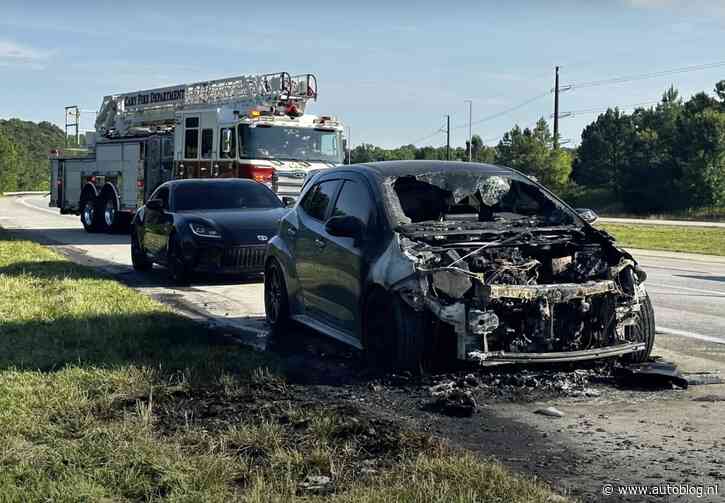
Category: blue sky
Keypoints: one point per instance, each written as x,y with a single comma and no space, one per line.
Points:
390,70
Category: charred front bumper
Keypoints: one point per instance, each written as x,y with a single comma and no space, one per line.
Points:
505,323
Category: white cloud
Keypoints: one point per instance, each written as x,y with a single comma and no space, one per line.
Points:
698,7
12,54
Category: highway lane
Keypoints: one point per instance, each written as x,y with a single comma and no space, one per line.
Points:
688,291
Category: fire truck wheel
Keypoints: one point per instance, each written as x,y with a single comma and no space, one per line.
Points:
89,215
108,212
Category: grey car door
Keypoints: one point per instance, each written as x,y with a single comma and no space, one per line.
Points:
311,273
342,258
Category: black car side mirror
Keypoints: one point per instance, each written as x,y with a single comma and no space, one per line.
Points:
155,204
345,227
288,201
589,216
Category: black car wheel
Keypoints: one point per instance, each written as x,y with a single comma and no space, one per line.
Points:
138,258
394,335
276,301
89,216
643,331
178,270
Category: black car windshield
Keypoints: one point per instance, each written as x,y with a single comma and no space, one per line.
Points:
474,197
279,142
223,196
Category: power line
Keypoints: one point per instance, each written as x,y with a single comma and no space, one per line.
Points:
506,111
650,75
572,113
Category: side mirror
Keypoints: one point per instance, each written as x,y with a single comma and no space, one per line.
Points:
345,227
589,216
155,204
288,201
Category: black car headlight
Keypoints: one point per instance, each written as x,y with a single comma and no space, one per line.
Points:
204,230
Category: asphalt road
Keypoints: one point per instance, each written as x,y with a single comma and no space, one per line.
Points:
688,290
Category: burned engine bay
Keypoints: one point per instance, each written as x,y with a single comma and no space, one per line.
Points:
514,272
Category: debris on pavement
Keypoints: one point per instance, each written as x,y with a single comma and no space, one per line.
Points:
550,411
709,398
701,378
655,373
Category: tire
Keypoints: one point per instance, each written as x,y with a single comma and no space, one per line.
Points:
178,270
643,331
89,216
107,210
276,297
395,337
139,260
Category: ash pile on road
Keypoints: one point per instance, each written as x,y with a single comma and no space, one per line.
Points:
459,395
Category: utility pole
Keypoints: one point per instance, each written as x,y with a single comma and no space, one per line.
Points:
448,137
470,136
349,145
556,109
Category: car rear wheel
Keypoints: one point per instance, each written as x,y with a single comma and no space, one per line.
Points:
643,331
276,300
394,335
138,257
89,216
178,270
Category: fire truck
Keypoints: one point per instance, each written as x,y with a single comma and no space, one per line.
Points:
250,126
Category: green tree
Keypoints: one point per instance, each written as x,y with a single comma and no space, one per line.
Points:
8,165
532,152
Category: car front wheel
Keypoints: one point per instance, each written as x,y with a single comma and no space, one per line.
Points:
138,257
178,270
643,331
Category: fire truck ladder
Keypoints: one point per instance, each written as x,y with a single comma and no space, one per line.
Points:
118,112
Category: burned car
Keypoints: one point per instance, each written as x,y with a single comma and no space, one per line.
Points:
421,261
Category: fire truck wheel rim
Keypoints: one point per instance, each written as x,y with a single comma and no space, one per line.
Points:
88,213
110,213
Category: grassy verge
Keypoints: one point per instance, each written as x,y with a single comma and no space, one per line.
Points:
708,240
105,395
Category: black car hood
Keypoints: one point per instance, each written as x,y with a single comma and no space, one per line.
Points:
241,226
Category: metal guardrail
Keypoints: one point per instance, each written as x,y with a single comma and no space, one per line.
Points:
26,193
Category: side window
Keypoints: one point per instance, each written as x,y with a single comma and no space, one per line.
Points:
227,143
163,194
191,138
319,198
207,141
354,201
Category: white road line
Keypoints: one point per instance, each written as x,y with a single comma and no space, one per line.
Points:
33,207
690,335
698,290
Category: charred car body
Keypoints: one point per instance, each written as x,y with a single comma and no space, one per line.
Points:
468,260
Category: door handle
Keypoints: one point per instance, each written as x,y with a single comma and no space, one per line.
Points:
291,231
320,242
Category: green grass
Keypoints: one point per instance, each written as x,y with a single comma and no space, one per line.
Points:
106,395
707,240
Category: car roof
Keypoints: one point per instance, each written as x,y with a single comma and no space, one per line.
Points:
387,169
207,181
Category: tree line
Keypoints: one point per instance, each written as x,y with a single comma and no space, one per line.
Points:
668,157
24,148
664,158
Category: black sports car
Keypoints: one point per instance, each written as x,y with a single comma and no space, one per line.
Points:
205,225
